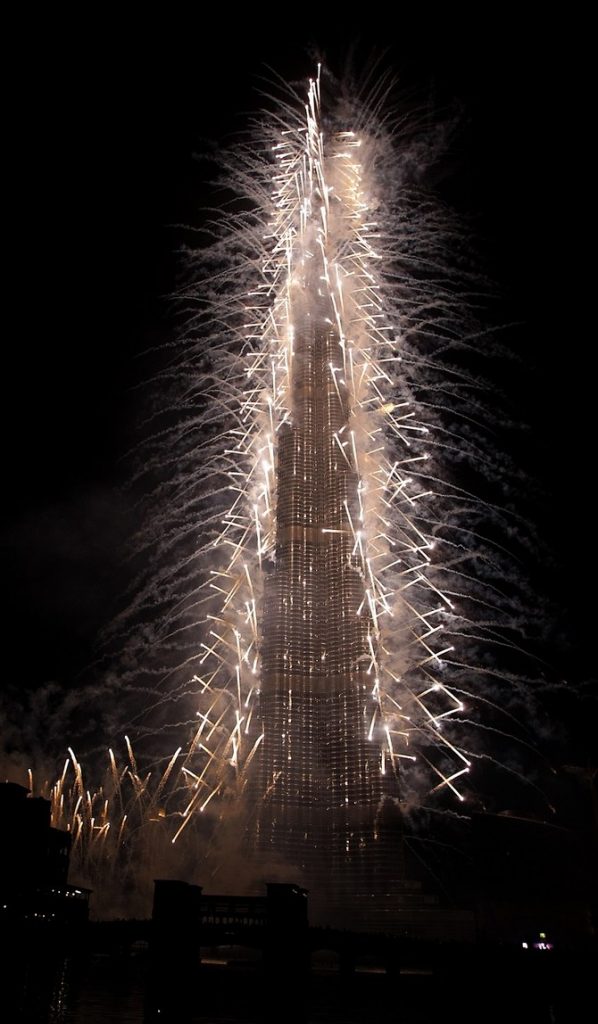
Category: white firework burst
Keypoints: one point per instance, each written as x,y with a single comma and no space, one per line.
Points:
322,190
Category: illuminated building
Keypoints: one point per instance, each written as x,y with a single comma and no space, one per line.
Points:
328,809
321,671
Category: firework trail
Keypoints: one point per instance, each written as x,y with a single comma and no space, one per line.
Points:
328,184
323,188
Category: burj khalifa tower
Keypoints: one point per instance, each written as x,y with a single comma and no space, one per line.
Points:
328,803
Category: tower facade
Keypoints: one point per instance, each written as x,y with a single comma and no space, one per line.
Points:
328,801
321,673
325,805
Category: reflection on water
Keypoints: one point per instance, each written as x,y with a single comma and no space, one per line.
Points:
107,988
59,997
84,988
68,989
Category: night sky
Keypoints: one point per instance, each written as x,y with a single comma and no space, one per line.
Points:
102,133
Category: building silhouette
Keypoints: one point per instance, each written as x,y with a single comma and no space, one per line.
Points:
184,920
34,864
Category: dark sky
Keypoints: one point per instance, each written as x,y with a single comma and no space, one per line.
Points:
101,135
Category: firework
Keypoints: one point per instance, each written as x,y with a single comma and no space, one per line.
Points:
322,208
322,219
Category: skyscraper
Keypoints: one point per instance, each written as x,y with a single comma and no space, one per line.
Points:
326,803
323,809
320,671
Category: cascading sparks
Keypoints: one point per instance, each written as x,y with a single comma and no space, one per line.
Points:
322,220
324,214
